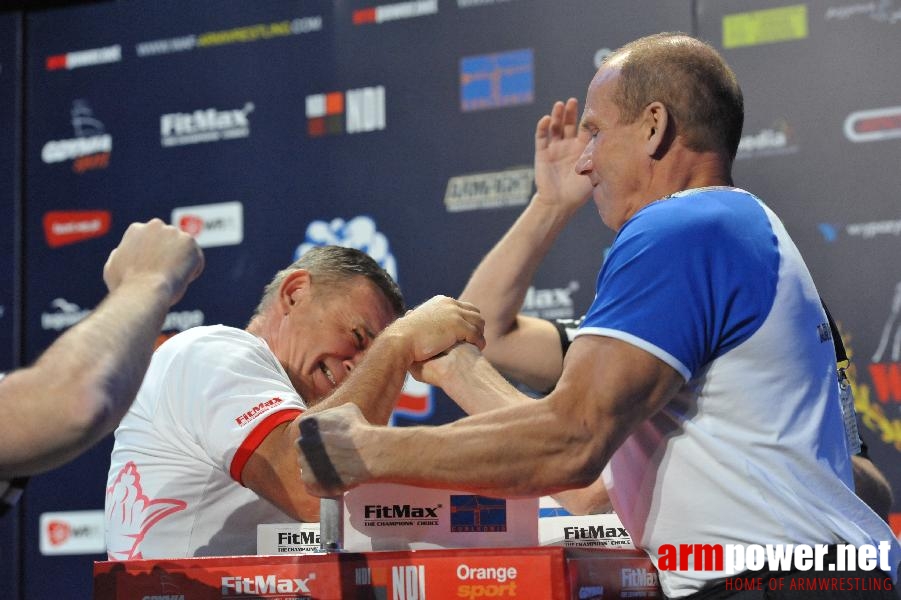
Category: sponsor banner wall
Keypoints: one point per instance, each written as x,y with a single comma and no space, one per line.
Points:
10,118
191,112
406,129
267,127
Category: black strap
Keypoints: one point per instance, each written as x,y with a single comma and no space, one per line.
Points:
841,356
310,443
9,495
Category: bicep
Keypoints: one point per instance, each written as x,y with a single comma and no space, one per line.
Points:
273,473
612,386
529,353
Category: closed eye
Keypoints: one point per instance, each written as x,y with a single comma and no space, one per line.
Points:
593,131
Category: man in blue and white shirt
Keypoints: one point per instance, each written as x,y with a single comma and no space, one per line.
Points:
702,382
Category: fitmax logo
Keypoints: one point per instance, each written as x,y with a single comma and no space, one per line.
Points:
302,538
264,584
399,511
592,532
638,578
208,125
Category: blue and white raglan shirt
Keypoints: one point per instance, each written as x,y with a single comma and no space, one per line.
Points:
752,450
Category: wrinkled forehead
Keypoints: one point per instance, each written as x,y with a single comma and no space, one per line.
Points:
359,300
377,309
608,71
599,98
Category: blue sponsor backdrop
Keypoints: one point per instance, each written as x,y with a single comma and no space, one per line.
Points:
10,143
272,125
10,90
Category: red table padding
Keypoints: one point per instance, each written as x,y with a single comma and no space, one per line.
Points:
551,573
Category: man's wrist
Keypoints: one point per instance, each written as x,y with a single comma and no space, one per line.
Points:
553,208
375,446
394,342
150,287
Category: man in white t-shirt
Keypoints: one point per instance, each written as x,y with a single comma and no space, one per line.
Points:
207,451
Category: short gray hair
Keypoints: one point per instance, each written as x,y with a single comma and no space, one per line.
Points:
690,77
337,265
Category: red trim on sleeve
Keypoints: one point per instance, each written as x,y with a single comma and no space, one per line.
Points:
256,437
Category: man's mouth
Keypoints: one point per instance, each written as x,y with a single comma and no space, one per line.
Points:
328,374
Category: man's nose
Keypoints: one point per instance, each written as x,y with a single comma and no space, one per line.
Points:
583,165
350,364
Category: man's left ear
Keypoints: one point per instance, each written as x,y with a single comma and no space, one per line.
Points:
656,123
295,285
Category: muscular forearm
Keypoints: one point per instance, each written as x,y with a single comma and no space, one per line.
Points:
523,348
477,387
500,282
80,388
507,452
559,442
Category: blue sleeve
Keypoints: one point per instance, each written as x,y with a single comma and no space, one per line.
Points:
687,279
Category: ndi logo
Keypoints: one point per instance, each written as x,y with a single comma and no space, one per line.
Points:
408,582
354,111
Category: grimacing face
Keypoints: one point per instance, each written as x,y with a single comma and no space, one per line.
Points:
614,158
327,331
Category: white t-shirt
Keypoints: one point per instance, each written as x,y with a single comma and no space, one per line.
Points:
211,395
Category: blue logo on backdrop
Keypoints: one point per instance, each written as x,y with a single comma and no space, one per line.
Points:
360,233
497,80
829,231
471,513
